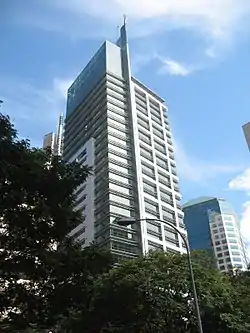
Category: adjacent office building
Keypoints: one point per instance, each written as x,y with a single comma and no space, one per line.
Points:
120,127
54,141
213,225
246,130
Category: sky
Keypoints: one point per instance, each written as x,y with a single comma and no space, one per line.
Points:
193,53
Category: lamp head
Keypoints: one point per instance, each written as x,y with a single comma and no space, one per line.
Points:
125,221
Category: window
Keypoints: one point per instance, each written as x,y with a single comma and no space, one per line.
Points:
118,149
146,151
162,162
234,247
149,187
154,226
78,232
82,154
231,235
119,168
142,122
117,178
151,206
217,243
222,267
147,155
118,199
235,253
160,148
157,132
120,159
219,255
228,218
117,133
156,119
237,259
145,138
166,196
114,123
116,115
122,234
116,101
119,188
221,261
120,211
218,248
154,246
147,170
230,229
168,214
116,141
124,247
170,235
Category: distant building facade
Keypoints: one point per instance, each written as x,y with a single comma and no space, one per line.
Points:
213,225
54,141
246,130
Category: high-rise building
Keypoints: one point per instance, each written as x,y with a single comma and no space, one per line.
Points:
120,127
246,130
213,225
55,141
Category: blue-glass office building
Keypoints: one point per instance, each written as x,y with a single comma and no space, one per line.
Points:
213,225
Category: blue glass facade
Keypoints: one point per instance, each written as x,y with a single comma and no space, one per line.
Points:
196,218
86,80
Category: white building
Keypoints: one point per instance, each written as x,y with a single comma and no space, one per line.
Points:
123,129
229,249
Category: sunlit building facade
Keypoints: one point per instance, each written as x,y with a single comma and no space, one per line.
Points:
213,225
120,127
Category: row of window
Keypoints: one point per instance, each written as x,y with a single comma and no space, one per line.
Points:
153,208
233,259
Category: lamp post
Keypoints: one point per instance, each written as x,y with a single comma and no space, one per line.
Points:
130,220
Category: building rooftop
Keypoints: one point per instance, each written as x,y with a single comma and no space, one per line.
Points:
198,201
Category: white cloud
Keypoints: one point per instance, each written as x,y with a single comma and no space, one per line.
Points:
242,183
175,68
34,109
199,171
167,65
61,86
216,17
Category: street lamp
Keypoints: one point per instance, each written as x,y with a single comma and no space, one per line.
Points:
126,221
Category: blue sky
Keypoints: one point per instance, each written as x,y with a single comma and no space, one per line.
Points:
194,53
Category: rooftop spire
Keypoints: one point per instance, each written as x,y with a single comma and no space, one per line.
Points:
124,19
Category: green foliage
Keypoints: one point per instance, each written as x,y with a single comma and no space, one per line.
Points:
154,294
42,274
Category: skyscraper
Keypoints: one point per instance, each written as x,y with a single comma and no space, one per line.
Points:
213,225
246,130
120,127
55,141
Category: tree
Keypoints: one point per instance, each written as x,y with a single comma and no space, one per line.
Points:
154,294
43,274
